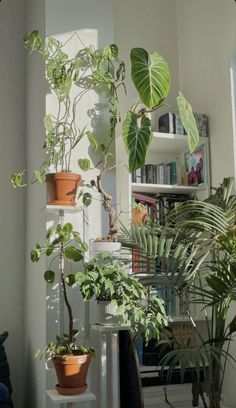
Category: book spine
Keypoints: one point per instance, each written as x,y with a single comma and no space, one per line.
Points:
138,176
143,175
161,173
150,173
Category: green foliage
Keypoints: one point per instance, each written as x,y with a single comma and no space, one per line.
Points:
189,122
137,139
63,347
152,80
106,280
63,245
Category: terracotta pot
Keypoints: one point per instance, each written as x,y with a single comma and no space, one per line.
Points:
139,217
62,188
71,373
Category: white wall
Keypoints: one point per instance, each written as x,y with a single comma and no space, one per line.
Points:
151,25
35,291
12,214
206,45
206,39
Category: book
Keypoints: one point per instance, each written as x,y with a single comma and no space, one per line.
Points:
179,129
166,123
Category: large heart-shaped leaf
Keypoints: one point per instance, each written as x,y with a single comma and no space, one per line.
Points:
136,139
188,121
152,81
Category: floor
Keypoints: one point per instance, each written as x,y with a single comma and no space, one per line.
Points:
178,395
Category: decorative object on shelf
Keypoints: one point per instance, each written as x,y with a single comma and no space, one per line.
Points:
196,166
106,280
139,213
167,123
211,225
202,124
71,360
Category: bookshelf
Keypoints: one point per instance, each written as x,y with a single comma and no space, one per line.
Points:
164,148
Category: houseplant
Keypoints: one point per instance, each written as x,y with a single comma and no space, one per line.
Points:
71,361
68,80
197,252
108,282
152,81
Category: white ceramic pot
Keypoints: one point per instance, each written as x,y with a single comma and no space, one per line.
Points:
106,314
97,247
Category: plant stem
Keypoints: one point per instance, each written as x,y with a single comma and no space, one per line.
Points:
69,309
107,205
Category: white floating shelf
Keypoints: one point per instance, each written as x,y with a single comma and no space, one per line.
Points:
63,399
106,328
171,143
65,208
166,188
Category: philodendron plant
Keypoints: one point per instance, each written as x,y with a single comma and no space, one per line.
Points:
151,78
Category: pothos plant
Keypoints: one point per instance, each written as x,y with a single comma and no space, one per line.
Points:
104,279
62,245
69,79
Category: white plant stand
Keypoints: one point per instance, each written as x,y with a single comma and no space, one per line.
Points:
109,386
69,400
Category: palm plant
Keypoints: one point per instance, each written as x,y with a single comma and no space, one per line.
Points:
197,250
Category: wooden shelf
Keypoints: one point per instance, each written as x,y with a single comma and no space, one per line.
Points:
171,143
63,399
166,188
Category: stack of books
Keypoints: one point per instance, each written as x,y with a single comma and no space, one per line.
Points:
162,173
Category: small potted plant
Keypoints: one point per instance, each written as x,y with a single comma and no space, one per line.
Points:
71,360
121,297
69,78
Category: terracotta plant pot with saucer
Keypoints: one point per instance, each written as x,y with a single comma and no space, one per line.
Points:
71,373
62,188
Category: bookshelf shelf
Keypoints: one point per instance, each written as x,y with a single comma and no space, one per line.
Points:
166,188
170,143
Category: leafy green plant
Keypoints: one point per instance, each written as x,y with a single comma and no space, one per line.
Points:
151,78
69,79
106,280
62,244
201,258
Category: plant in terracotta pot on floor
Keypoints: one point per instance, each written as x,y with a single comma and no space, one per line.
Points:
71,360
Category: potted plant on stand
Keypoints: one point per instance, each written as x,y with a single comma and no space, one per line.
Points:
71,360
121,297
68,80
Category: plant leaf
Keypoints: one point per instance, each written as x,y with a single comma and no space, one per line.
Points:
49,276
74,254
136,139
189,122
152,81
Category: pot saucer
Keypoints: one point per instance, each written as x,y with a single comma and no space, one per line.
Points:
71,391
